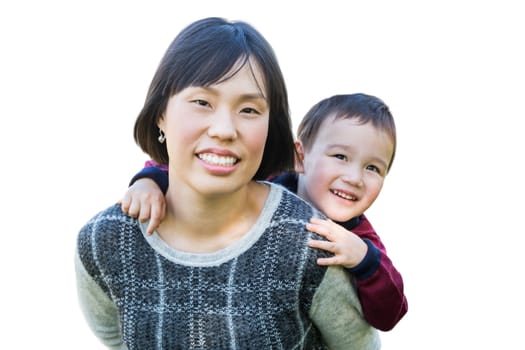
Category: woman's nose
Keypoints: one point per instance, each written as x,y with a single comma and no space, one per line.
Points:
222,125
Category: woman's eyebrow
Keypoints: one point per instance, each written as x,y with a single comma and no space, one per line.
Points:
247,96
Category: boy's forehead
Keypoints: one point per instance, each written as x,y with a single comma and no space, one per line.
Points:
345,129
319,128
354,136
336,122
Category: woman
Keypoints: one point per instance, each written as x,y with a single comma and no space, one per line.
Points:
229,267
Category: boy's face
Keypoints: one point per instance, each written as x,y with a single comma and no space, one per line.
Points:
343,171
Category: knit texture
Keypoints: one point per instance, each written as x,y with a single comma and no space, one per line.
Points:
253,295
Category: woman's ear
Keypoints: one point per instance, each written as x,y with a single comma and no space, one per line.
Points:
161,122
299,157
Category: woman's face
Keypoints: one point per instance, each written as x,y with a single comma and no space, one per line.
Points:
215,135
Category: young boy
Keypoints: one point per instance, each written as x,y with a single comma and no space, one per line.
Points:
346,146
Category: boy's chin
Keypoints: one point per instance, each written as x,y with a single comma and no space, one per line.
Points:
339,216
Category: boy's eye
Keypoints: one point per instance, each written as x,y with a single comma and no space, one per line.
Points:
374,169
340,156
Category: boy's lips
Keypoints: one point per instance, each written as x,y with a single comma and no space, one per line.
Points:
345,195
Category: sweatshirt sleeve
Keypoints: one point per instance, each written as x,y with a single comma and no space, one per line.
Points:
379,284
337,314
99,310
155,172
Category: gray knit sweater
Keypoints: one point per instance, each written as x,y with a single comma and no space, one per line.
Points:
263,292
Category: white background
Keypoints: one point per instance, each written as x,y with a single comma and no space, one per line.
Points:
73,76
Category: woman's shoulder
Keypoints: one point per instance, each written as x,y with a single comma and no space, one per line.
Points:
101,239
107,224
292,204
112,215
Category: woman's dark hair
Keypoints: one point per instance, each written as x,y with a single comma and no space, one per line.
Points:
205,53
364,108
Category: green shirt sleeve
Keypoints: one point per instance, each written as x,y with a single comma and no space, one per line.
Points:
337,313
99,310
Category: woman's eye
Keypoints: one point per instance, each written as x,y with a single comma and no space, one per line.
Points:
249,110
201,103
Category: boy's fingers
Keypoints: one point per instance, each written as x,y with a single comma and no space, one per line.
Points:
134,209
158,212
314,243
152,226
315,228
324,245
320,230
327,261
124,204
144,212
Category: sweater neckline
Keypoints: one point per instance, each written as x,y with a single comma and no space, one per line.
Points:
225,254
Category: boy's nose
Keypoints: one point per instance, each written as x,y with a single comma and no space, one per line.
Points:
353,176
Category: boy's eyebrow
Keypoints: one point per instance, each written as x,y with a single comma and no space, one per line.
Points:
381,161
339,145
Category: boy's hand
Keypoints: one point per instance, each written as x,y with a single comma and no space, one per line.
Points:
348,248
145,200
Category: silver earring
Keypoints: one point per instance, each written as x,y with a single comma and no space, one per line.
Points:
161,137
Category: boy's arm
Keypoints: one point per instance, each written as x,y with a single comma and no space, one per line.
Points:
145,197
363,254
157,173
379,283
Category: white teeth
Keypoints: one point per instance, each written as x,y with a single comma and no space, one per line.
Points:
344,195
217,160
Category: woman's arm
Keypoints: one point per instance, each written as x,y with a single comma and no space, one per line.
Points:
99,310
337,314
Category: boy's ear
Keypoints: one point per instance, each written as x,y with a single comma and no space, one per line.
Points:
299,157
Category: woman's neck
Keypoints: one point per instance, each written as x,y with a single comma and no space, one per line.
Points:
199,224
